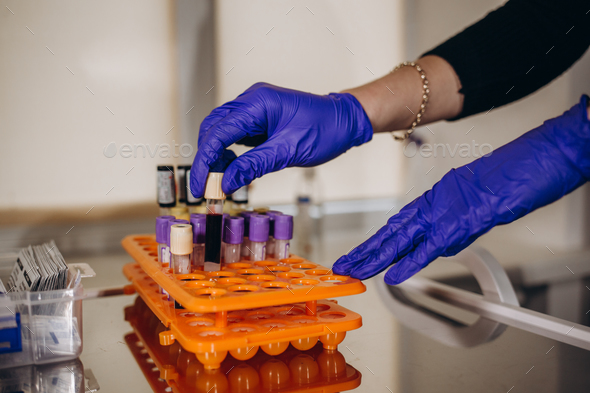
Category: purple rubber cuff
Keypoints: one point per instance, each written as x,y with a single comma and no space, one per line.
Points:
233,230
246,214
199,223
272,214
283,227
161,227
259,226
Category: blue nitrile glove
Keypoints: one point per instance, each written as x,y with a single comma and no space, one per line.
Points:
289,127
532,171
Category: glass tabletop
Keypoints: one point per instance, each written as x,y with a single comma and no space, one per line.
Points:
389,356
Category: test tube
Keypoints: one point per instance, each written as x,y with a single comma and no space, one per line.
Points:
166,188
170,223
181,248
246,243
199,223
183,171
259,226
214,197
225,216
283,234
161,228
270,245
233,237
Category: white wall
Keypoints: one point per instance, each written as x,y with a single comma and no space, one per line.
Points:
54,129
292,47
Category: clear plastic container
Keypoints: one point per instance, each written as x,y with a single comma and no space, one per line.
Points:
39,327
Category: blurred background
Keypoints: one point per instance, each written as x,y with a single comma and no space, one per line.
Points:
95,95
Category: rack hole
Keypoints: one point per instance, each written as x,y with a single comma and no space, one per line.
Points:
200,322
292,311
334,278
234,319
292,260
211,292
190,276
266,263
290,275
279,268
189,314
304,281
333,315
222,273
250,272
304,266
211,333
243,288
263,277
231,281
274,285
318,272
260,315
199,284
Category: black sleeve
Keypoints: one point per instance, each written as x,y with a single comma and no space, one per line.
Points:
515,50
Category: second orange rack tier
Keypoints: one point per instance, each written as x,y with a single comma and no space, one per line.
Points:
245,284
212,335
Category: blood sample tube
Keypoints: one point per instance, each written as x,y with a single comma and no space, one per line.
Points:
259,226
199,223
182,172
181,248
161,228
270,245
233,236
246,243
166,188
214,197
170,223
283,234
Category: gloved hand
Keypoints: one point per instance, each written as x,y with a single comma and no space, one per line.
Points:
289,127
532,171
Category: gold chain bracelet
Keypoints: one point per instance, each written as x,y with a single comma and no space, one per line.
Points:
425,92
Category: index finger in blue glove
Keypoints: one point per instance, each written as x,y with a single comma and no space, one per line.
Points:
221,135
390,243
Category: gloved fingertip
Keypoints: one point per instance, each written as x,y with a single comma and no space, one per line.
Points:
341,267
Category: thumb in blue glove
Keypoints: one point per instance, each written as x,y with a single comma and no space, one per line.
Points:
288,127
532,171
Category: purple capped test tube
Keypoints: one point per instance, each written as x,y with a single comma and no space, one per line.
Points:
283,233
161,228
246,243
270,245
199,223
258,231
170,223
233,236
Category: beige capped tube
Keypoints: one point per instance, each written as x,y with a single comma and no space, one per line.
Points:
213,186
181,239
